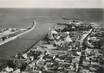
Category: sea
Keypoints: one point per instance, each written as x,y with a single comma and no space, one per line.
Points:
23,17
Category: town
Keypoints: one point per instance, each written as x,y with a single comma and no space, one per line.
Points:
72,47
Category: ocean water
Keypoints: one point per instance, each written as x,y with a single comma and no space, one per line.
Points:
15,17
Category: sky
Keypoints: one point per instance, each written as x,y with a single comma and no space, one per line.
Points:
51,3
